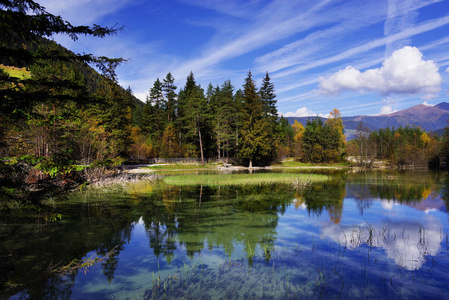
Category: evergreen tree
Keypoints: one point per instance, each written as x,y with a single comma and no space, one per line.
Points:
285,138
238,120
268,96
228,111
324,142
194,116
313,140
22,23
158,116
169,89
223,111
257,144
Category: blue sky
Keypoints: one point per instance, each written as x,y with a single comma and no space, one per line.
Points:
361,57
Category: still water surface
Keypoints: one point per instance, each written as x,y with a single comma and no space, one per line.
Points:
358,235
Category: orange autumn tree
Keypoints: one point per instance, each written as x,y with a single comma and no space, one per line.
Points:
298,129
170,144
336,136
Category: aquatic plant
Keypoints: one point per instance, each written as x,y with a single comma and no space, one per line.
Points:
299,180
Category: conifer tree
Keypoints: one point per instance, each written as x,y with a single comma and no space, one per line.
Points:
25,22
228,111
169,89
158,119
268,96
257,144
195,115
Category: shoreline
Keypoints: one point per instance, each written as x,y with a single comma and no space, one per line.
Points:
145,169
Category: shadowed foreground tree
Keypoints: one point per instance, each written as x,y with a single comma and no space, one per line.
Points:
30,179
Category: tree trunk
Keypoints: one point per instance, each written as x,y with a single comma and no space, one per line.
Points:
218,145
201,145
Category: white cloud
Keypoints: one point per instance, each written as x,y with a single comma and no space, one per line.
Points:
404,72
385,110
301,112
447,70
327,116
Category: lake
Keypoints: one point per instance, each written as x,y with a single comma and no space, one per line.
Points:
357,235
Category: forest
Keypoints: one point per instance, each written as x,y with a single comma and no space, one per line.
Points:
402,147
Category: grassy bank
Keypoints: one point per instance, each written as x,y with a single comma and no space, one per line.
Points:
296,164
172,167
244,179
16,72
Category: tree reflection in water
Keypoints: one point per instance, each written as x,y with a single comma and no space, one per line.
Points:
251,221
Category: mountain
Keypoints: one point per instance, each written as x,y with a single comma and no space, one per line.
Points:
443,105
429,118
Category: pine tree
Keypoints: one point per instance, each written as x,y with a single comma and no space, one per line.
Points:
257,144
158,119
228,111
268,96
26,21
23,23
195,115
169,90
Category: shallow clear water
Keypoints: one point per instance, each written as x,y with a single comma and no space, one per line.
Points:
359,235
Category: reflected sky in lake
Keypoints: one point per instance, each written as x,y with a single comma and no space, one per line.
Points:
382,235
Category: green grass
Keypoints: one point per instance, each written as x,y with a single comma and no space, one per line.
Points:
182,167
244,179
16,72
290,163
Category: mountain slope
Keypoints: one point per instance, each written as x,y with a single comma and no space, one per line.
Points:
429,118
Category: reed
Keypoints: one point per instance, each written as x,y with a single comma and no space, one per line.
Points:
245,179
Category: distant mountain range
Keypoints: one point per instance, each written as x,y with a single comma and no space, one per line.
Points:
430,118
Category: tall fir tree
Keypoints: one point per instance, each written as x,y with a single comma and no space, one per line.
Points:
228,111
169,89
257,144
156,98
268,96
195,116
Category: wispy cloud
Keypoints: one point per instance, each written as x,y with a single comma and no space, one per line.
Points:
424,27
398,19
295,41
232,8
402,14
82,12
347,22
285,18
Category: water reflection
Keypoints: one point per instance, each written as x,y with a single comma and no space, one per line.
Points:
407,243
157,228
31,248
223,216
